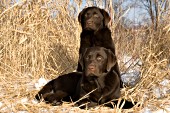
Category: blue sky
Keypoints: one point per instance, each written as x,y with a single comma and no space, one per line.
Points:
137,14
134,14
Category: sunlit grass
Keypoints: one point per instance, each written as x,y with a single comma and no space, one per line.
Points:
41,39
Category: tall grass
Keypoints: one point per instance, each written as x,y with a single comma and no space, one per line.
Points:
41,39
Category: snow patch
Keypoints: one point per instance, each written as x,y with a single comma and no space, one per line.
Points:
129,61
132,75
41,82
24,100
165,82
160,111
35,101
162,89
1,104
131,78
146,110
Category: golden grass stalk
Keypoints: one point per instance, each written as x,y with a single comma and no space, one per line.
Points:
41,39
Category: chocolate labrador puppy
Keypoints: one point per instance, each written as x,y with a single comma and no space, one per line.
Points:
99,78
95,32
97,75
60,89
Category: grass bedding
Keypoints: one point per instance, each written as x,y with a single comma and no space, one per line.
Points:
40,39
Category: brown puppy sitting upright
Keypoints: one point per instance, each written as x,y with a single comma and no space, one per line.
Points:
95,32
97,63
98,75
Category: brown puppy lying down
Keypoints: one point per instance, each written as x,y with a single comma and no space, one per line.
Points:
99,78
95,32
60,89
98,75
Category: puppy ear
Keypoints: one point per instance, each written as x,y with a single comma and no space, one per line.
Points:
80,14
106,17
111,59
81,59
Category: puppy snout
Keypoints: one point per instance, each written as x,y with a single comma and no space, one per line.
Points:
89,22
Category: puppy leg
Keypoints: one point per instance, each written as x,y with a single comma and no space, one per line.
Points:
86,103
79,68
53,98
116,69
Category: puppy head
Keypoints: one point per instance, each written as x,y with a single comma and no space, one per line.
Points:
97,60
93,18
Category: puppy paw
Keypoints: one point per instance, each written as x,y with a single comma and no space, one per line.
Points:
50,98
56,103
101,100
88,105
38,97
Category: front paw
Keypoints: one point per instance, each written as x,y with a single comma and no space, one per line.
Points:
38,97
102,100
50,98
88,104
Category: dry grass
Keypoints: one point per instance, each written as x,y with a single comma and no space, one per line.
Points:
41,39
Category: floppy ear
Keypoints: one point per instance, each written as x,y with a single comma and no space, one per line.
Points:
81,59
80,14
106,17
111,59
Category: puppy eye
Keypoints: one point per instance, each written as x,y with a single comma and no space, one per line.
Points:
99,58
87,14
87,57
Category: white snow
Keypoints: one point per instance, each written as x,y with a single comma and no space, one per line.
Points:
131,78
132,75
145,110
41,82
161,111
163,88
129,61
165,82
24,100
1,104
34,101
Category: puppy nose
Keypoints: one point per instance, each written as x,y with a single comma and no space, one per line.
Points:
91,67
89,22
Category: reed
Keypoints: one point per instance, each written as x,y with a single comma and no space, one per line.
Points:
41,39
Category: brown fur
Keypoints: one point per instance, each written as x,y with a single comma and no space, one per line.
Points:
61,88
95,32
97,63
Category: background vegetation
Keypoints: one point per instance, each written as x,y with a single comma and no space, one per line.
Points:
40,38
